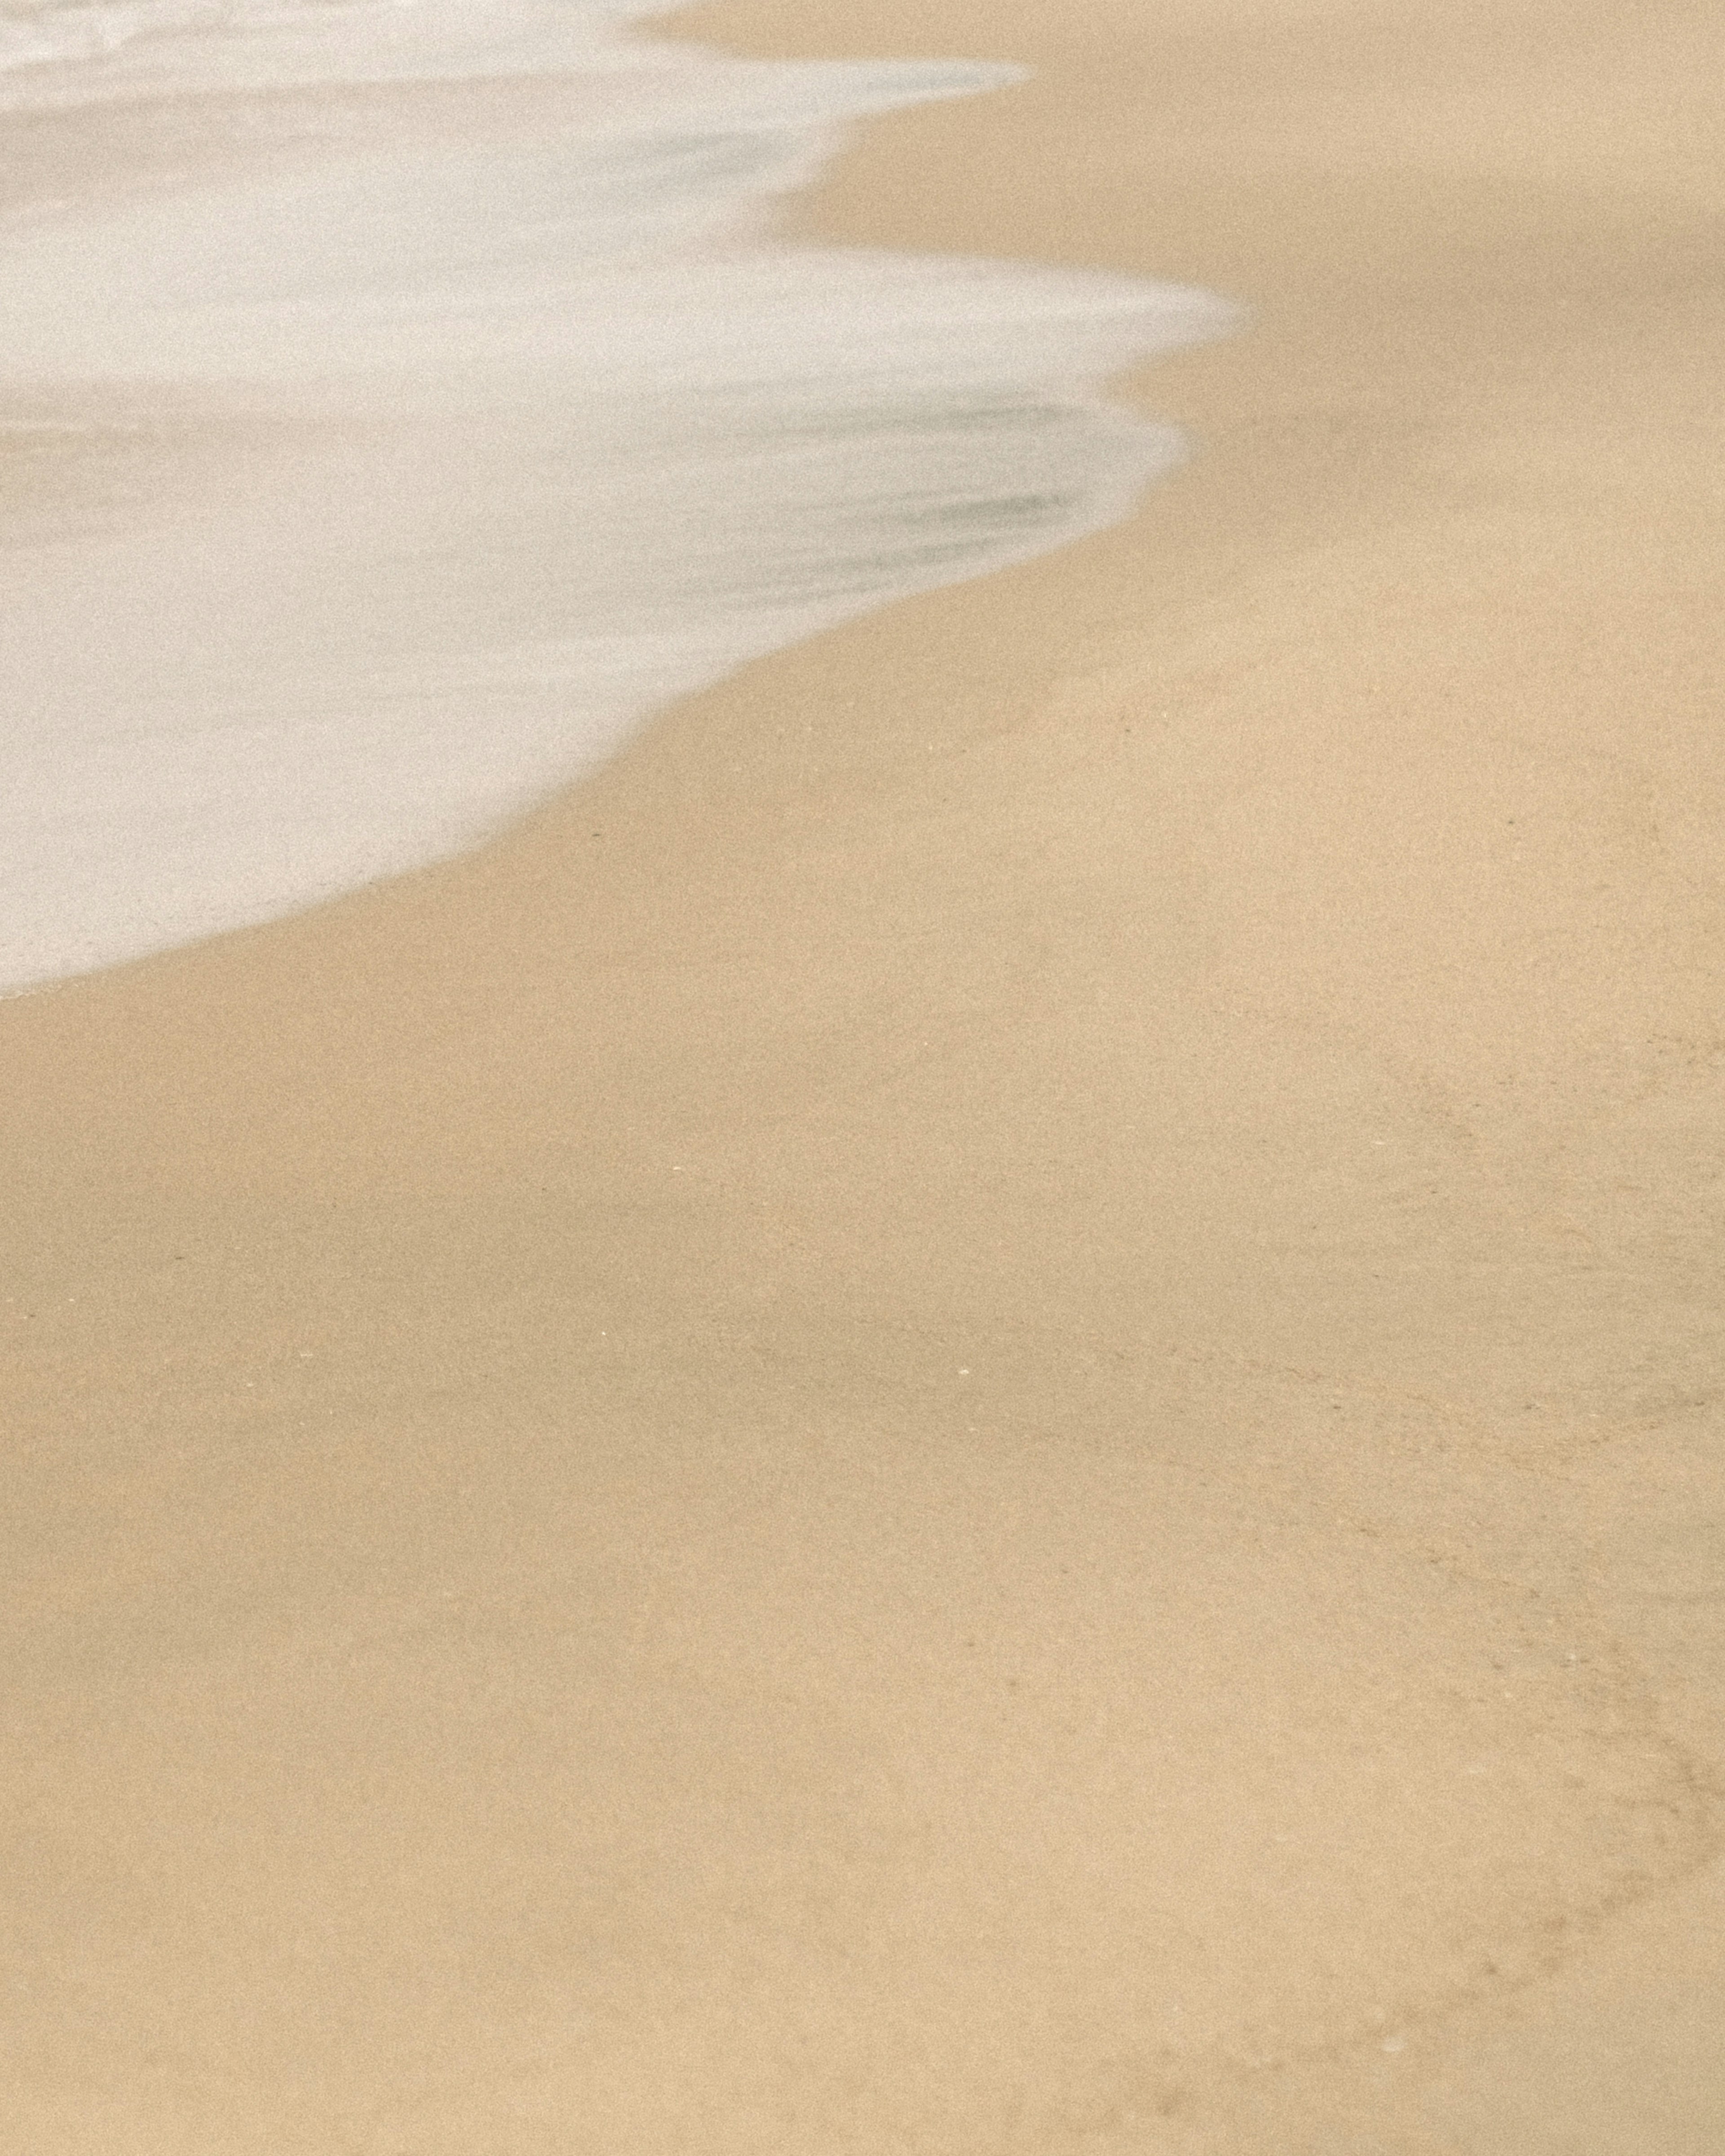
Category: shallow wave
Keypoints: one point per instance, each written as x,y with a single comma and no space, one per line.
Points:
399,403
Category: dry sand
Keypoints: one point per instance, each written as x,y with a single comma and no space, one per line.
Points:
980,1413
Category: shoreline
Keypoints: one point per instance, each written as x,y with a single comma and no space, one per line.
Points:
979,1407
472,424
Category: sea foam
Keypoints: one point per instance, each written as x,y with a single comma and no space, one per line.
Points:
400,400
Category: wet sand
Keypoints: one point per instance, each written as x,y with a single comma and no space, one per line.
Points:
980,1411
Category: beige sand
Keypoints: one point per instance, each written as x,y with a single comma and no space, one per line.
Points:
980,1413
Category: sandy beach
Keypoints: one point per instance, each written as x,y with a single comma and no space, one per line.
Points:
978,1413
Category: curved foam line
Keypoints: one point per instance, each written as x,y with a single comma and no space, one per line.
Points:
383,443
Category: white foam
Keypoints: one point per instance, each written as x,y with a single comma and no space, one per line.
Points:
398,403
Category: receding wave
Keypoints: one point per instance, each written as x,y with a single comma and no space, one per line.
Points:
398,403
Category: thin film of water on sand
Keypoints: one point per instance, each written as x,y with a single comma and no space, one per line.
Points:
399,403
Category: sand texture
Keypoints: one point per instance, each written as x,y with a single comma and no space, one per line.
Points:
979,1413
